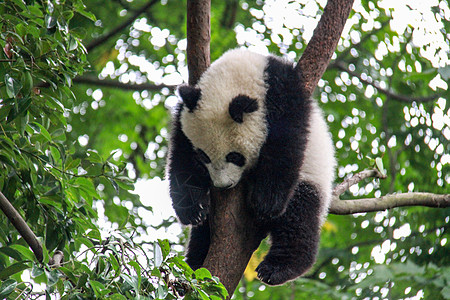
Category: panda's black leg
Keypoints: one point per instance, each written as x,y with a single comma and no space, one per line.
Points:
198,245
295,237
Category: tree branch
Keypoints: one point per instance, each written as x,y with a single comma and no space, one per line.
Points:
345,207
90,80
346,184
322,45
19,223
198,38
408,99
102,39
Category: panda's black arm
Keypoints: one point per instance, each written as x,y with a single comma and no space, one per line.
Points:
189,180
276,174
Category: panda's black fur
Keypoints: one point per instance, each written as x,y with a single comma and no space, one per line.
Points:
284,156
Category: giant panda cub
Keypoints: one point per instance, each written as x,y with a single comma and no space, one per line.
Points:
247,121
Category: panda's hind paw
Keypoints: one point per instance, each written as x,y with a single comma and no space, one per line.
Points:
276,273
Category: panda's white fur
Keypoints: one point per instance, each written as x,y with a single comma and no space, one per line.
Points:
210,127
319,162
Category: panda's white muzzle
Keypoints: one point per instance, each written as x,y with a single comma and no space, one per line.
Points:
226,176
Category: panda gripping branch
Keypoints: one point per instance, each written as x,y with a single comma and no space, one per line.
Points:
246,121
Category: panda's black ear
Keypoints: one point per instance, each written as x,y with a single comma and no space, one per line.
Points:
240,105
190,96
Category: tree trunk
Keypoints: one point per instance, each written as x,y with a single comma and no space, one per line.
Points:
198,36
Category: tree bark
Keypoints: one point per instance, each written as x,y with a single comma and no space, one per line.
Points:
233,238
198,36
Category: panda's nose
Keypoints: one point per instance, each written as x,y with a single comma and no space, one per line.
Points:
223,187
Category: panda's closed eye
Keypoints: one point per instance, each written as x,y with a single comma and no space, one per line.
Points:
236,158
203,157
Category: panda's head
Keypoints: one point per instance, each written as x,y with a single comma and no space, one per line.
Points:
224,116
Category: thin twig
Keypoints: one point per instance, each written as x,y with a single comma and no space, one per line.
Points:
90,80
102,39
402,98
346,184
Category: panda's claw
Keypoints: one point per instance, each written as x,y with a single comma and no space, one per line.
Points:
192,215
275,274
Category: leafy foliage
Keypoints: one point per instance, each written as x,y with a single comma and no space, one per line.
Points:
115,268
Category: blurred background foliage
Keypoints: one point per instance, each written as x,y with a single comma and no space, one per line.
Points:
86,91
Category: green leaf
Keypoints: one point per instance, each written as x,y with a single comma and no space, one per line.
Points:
158,256
24,251
50,21
52,277
94,156
116,297
82,280
35,11
42,131
445,72
156,272
7,288
445,292
85,241
202,274
27,81
97,287
13,269
36,271
87,14
165,247
203,295
11,253
161,292
68,273
137,269
73,44
379,164
72,163
12,86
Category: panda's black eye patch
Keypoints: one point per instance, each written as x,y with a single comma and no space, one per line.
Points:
236,158
203,157
240,105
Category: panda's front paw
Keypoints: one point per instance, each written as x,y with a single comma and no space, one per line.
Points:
191,205
192,215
